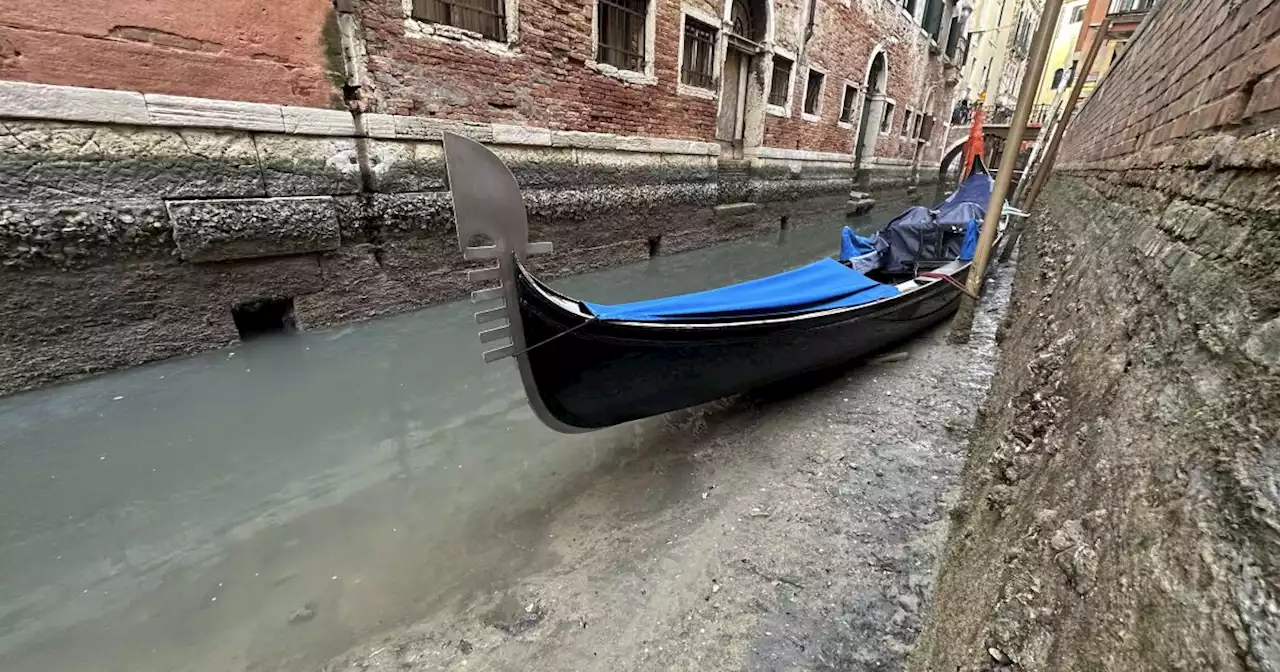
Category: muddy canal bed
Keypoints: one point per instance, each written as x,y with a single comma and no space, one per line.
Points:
797,528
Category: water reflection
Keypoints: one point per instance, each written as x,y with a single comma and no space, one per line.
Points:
271,504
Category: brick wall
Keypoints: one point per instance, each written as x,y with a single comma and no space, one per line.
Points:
1121,498
544,79
843,42
250,50
1197,66
544,82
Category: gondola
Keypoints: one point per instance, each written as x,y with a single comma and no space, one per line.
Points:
586,366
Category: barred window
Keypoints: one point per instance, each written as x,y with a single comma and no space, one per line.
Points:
886,119
699,53
780,88
487,17
620,32
846,104
813,91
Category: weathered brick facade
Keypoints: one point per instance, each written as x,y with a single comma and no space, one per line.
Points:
270,51
843,42
1121,495
544,77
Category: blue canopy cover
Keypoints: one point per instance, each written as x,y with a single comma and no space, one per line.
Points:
821,285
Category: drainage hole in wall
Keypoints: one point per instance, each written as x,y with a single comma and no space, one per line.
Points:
264,316
655,245
783,223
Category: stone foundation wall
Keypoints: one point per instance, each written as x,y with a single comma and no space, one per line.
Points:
1121,501
122,243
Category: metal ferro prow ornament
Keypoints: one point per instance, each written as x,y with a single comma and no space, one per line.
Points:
492,224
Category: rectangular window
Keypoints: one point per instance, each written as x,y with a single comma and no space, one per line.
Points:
915,132
886,119
847,103
699,53
932,19
1077,14
620,33
813,91
910,6
780,87
906,124
487,17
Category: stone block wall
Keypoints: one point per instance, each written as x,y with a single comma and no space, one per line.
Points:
1121,503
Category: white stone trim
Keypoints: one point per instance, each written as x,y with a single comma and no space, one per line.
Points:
886,161
784,154
627,76
45,102
717,61
317,121
879,49
442,32
167,110
695,91
642,78
23,100
817,115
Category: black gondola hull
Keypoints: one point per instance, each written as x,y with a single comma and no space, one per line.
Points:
590,374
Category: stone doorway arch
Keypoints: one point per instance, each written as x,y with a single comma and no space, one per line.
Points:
874,87
747,61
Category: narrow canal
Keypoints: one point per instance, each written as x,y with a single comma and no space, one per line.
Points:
272,504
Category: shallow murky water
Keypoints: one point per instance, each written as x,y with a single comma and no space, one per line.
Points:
271,504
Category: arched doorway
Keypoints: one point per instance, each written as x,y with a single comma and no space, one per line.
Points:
741,94
873,92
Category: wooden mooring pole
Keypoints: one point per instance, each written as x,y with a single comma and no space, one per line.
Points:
963,322
1041,174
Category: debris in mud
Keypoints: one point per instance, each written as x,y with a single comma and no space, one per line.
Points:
889,358
303,614
513,617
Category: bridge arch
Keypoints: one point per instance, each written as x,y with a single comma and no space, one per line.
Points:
953,153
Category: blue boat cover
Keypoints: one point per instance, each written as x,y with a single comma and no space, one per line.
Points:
975,189
821,285
966,217
852,245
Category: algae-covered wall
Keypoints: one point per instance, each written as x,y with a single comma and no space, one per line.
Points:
1121,502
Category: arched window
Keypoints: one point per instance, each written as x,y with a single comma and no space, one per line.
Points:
1057,78
740,17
